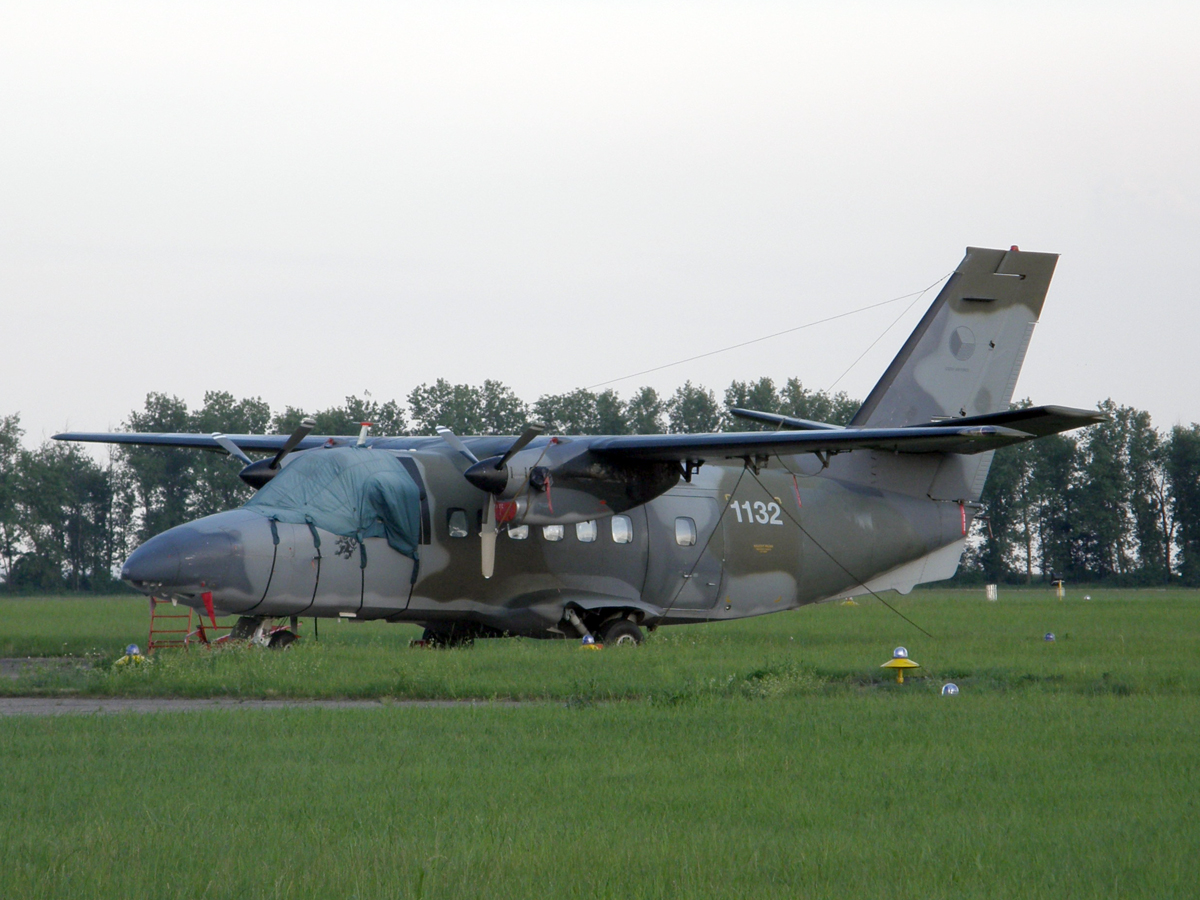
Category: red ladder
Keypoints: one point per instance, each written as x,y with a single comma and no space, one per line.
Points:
163,626
167,633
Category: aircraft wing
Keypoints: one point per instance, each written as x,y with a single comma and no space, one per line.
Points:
926,439
268,443
781,421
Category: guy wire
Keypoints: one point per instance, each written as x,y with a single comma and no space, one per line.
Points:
767,337
886,330
819,546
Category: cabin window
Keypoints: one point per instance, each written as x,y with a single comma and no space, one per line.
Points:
586,531
685,531
552,532
456,523
518,532
622,529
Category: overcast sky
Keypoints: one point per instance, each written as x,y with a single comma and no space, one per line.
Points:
304,201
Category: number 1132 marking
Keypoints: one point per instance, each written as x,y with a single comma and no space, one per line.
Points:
762,513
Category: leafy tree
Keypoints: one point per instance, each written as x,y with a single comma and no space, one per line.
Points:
818,406
161,477
583,412
288,420
1008,526
458,407
503,411
693,410
1183,471
611,414
1052,479
492,408
757,395
386,418
215,486
1098,512
10,455
645,412
573,413
65,500
1148,502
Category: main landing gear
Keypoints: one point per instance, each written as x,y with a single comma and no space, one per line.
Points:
616,632
459,634
621,633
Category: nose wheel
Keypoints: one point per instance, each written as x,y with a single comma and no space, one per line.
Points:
281,640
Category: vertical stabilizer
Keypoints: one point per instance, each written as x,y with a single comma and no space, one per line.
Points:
964,357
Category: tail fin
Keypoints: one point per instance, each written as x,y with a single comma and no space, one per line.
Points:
964,357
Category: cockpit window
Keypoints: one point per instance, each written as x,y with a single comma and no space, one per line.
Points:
348,491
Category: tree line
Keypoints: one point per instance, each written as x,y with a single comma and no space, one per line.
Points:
1118,502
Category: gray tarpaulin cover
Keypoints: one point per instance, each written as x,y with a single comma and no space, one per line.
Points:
351,491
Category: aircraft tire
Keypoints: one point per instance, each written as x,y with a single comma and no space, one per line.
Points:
621,633
281,640
454,637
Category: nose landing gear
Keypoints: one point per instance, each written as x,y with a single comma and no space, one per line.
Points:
259,631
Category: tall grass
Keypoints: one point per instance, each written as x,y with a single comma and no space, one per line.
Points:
1119,642
873,794
764,758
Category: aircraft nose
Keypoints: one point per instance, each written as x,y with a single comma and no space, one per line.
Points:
185,559
154,564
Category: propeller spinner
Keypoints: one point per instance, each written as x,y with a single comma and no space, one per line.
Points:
490,475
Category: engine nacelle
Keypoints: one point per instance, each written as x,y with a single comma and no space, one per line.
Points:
565,484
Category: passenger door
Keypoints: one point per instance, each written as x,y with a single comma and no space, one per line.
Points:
686,553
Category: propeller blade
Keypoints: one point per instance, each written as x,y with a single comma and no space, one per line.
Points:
532,430
488,538
301,432
452,439
230,447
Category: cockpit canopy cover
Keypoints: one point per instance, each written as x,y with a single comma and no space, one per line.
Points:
350,491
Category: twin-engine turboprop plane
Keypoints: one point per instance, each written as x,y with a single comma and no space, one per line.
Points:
553,535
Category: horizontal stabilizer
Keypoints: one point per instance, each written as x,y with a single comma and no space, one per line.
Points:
1038,421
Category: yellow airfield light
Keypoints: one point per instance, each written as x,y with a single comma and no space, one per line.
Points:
900,662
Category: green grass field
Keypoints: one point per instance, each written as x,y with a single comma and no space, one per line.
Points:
1142,642
764,758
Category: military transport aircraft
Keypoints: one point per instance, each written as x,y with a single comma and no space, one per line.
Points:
554,535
